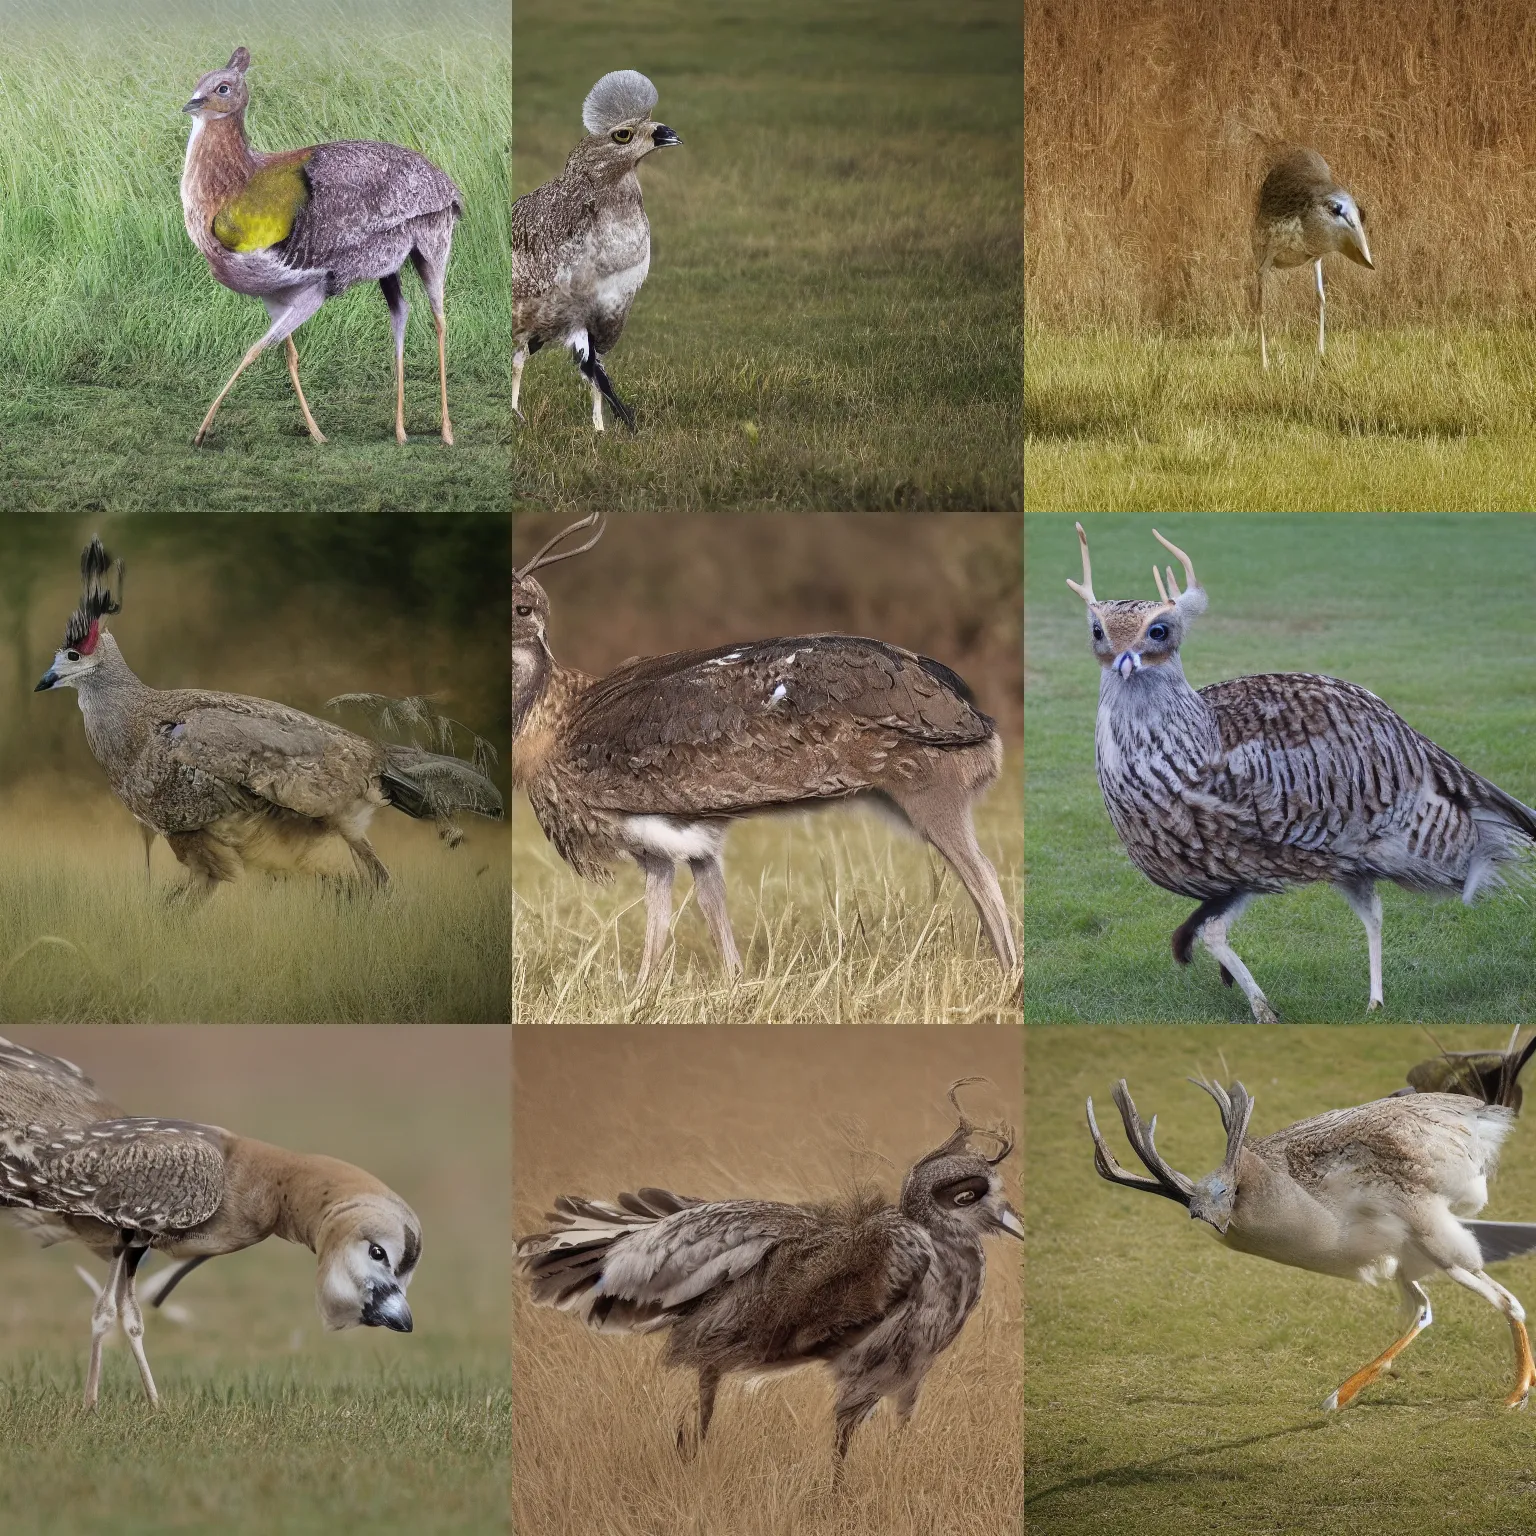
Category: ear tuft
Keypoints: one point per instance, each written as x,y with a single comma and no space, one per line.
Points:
239,60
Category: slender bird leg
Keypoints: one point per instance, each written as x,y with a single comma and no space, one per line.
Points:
597,406
148,834
133,1320
1213,934
1422,1318
1263,343
519,361
709,886
906,1400
1484,1285
103,1320
442,367
287,313
658,910
1366,902
298,389
709,1382
399,312
1321,306
850,1413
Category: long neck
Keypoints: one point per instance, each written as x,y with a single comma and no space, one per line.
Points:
542,693
112,700
219,162
272,1192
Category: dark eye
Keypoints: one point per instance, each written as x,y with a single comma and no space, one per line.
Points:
967,1197
223,90
377,1254
523,610
71,655
1158,632
1098,634
623,135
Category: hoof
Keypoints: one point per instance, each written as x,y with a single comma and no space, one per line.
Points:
1263,1013
1331,1403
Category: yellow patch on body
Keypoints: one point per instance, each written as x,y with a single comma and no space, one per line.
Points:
261,214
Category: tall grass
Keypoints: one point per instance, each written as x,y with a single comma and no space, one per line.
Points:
1149,125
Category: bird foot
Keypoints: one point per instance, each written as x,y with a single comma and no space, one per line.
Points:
400,436
1262,1012
316,435
1373,1005
447,435
1517,1398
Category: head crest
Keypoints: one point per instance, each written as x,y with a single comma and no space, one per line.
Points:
96,599
544,557
959,1141
620,97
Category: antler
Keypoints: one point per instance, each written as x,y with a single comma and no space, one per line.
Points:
539,559
1191,581
1236,1111
1084,589
1166,1181
1003,1137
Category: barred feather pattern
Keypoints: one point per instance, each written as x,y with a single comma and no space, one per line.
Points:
1261,782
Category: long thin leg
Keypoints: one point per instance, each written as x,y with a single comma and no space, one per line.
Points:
442,368
133,1321
691,1436
298,389
399,312
148,834
1417,1298
709,885
1263,342
1321,306
658,910
1213,934
103,1320
850,1413
1366,902
1484,1285
597,406
286,318
519,361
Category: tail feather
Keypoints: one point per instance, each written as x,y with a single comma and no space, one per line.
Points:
431,786
591,365
1501,1240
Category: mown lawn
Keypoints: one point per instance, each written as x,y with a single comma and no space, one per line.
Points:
1431,613
1392,420
1173,1386
832,316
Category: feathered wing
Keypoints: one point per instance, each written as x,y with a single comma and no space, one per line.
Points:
1318,770
761,724
1500,1240
436,786
37,1089
546,224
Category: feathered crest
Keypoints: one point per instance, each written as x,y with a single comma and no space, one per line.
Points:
619,97
1002,1135
96,598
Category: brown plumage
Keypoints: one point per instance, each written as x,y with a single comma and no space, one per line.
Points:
74,1166
654,761
874,1291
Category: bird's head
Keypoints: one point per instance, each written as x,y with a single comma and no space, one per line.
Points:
530,604
1345,226
223,92
367,1245
620,129
86,641
959,1188
1128,635
1212,1199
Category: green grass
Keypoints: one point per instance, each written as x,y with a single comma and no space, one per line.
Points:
114,335
1411,420
839,920
1173,1387
1431,613
832,313
85,938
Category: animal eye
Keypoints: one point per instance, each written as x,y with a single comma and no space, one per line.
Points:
1158,632
1098,634
523,610
223,90
966,1197
623,135
71,655
377,1254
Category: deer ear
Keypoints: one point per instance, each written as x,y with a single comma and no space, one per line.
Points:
240,60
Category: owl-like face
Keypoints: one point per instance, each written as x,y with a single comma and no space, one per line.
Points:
612,154
1343,226
1127,635
530,612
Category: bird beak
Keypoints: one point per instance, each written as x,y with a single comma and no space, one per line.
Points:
1359,250
663,137
50,680
1126,663
1008,1219
196,104
390,1312
1217,1225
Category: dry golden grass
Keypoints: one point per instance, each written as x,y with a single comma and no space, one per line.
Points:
840,919
780,1114
1148,124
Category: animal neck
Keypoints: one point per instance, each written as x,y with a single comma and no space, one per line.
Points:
296,1196
219,163
542,694
1153,711
111,686
600,171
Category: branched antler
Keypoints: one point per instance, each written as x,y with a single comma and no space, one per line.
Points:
544,557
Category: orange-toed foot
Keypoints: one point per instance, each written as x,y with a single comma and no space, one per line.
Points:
1525,1367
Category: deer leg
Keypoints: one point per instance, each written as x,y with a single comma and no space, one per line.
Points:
1322,304
399,313
369,865
597,406
1416,1296
850,1413
1365,901
103,1320
1263,342
133,1320
1213,934
709,886
298,389
519,361
1484,1285
658,910
286,318
948,827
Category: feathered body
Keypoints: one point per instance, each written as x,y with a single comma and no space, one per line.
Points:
1248,786
74,1166
234,782
874,1291
581,244
300,226
654,761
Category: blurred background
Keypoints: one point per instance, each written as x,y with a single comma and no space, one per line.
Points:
761,1113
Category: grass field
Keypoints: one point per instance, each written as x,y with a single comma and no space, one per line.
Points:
1174,1388
1428,612
267,1423
832,313
115,337
839,920
773,1114
86,938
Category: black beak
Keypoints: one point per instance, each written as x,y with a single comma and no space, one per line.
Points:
50,678
195,103
392,1313
663,137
